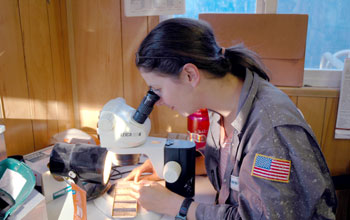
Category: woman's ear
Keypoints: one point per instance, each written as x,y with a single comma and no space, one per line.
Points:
190,74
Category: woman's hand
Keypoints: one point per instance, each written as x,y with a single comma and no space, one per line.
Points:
154,197
146,167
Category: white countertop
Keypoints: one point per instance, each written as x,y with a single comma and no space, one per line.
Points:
204,193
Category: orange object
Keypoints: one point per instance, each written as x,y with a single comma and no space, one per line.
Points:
79,200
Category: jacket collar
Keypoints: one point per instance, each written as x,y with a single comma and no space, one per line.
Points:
249,90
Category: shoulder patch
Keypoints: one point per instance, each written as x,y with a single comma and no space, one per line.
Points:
270,168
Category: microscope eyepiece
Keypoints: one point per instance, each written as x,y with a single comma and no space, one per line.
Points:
146,107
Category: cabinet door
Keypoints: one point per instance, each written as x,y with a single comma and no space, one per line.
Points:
313,109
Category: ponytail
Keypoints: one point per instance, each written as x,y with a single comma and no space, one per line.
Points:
241,58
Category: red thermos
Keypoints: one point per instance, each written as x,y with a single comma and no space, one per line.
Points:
197,127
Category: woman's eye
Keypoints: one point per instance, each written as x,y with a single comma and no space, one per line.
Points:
157,91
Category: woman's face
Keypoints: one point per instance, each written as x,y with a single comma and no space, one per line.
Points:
175,93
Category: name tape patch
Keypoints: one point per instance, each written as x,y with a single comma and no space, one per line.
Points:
234,183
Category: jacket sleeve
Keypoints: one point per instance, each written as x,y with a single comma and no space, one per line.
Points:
308,193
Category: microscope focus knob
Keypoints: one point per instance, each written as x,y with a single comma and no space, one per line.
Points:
106,121
171,171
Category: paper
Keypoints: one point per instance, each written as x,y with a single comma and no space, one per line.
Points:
153,7
342,128
12,182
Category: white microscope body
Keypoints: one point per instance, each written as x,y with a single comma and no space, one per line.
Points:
124,130
121,134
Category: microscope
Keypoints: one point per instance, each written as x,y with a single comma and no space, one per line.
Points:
124,131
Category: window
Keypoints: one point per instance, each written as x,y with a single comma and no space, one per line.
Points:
328,38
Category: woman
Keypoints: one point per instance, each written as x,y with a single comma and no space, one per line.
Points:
261,156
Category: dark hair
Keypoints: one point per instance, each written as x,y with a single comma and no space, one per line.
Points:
175,42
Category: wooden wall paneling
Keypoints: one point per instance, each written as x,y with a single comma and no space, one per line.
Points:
3,154
134,29
169,121
152,22
98,56
72,64
13,83
336,151
61,74
19,137
1,111
313,109
38,58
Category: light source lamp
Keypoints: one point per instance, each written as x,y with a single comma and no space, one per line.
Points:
83,163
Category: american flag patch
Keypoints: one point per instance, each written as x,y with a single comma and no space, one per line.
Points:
271,168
